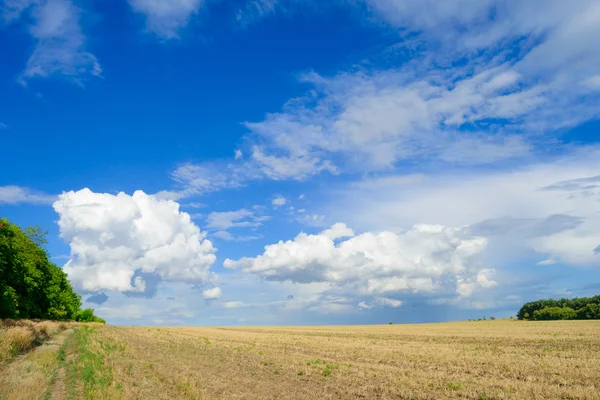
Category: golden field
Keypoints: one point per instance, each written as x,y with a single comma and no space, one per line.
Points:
500,359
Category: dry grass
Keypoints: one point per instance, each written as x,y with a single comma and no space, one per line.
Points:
21,335
29,377
470,360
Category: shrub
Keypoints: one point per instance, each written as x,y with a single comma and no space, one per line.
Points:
87,315
554,313
590,311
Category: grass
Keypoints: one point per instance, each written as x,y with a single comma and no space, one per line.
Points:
498,359
31,376
18,336
89,374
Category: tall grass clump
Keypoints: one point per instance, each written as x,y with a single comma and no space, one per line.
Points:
20,335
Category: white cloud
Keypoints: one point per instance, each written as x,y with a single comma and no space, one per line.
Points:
311,219
18,195
550,207
279,200
294,164
230,219
301,197
114,237
166,18
225,235
547,262
235,304
386,302
222,221
364,306
194,205
212,294
198,179
338,231
60,45
514,104
3,126
426,259
331,308
373,120
238,154
255,10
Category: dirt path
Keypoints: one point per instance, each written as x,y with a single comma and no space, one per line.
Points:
59,391
30,375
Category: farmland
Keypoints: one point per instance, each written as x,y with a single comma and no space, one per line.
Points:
500,359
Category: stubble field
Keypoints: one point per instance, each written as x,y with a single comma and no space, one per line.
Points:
467,360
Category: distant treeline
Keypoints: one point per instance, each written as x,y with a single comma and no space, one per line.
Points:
30,285
576,308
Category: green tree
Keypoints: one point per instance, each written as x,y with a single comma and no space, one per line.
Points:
528,309
554,313
30,285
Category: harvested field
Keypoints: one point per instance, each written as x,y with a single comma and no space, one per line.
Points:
499,359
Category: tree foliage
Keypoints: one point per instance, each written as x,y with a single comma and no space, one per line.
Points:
30,285
576,308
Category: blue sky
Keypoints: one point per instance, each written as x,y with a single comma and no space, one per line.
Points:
288,162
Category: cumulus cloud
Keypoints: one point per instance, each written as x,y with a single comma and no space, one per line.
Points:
165,18
212,294
116,239
60,44
21,195
426,259
549,208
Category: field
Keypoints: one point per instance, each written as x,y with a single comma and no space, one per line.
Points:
499,359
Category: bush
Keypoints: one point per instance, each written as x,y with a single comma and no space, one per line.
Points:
554,313
87,315
590,311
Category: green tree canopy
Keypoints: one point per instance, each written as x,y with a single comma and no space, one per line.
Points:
30,285
576,308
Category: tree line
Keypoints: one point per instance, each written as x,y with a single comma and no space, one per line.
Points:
32,287
576,308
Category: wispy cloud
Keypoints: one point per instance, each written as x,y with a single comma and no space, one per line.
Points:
60,45
166,18
254,10
235,304
232,219
221,222
21,195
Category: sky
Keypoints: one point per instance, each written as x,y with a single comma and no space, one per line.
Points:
299,162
